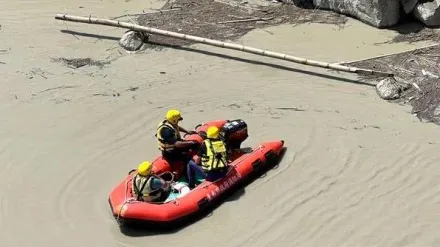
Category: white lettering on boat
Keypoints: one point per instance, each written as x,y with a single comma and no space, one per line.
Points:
226,184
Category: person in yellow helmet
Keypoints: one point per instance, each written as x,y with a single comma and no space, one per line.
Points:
170,142
147,186
213,157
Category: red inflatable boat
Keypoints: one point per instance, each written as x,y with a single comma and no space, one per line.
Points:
182,203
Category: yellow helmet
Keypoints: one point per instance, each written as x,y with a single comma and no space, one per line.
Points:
174,116
213,132
145,168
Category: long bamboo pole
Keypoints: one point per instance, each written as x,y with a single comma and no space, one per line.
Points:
115,23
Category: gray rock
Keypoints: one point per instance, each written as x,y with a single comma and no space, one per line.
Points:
388,89
437,112
428,13
132,40
409,5
378,13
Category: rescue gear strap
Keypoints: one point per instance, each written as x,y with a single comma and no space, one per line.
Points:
139,194
216,156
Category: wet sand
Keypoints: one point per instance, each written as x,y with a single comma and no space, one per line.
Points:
358,171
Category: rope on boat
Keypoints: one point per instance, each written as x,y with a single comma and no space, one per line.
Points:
126,200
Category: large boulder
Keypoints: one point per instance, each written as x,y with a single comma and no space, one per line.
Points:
428,12
378,13
409,5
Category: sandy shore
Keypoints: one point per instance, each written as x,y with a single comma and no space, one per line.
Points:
358,171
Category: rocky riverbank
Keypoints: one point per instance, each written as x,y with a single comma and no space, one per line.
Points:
221,20
416,81
416,71
381,13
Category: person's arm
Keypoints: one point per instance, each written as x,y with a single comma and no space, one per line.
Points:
187,131
169,138
202,150
183,130
158,184
200,153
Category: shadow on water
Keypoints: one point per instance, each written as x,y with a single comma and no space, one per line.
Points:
233,194
90,35
272,65
239,59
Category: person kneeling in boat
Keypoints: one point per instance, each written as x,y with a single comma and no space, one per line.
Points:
213,157
170,142
146,186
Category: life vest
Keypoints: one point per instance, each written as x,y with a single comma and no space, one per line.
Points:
162,145
215,157
142,189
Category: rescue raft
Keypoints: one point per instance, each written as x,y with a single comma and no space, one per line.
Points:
182,203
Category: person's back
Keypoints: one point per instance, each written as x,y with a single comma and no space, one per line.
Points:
146,187
213,155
